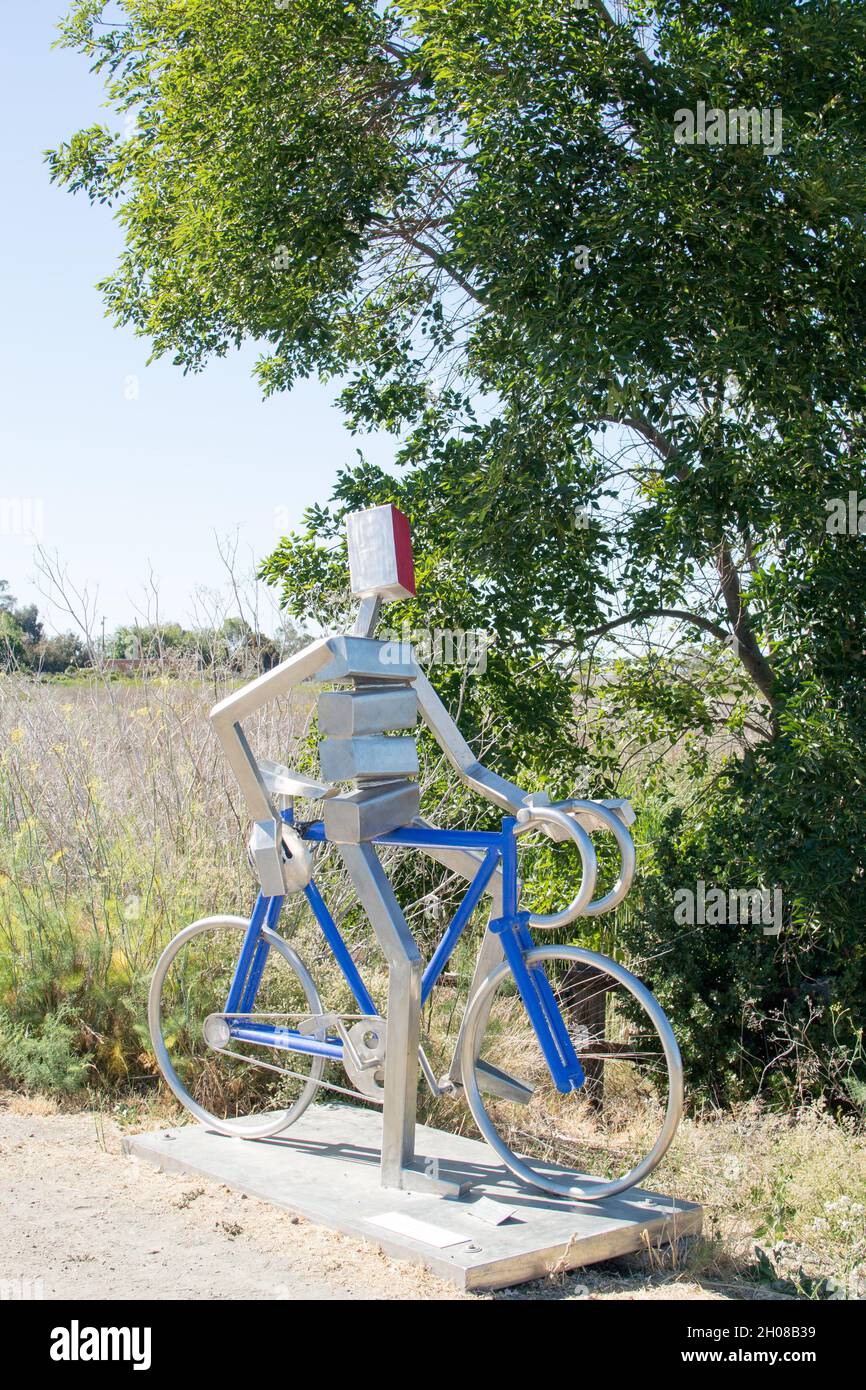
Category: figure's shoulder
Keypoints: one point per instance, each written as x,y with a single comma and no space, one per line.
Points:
368,659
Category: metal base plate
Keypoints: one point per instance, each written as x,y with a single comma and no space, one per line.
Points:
326,1169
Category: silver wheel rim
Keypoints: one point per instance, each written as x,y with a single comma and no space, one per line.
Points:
242,1128
476,1020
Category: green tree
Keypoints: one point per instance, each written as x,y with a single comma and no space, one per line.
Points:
64,652
152,641
27,619
14,650
625,374
23,644
20,631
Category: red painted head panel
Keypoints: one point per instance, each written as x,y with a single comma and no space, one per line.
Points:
380,553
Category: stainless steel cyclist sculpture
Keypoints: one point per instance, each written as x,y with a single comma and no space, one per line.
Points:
569,1066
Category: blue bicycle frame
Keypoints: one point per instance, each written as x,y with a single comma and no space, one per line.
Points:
497,847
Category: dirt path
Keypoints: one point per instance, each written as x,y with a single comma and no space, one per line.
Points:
90,1222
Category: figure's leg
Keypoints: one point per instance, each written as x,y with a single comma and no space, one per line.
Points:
399,1168
404,1007
490,955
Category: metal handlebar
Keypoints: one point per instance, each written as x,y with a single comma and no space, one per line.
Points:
530,816
628,854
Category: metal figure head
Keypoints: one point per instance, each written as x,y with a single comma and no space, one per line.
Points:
380,554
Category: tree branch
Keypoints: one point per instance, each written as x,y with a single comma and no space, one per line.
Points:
748,650
681,614
607,18
431,253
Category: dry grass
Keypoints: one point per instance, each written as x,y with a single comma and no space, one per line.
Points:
784,1197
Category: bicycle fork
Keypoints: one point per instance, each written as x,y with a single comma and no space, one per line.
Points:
532,984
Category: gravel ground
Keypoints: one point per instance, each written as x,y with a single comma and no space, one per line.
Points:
91,1223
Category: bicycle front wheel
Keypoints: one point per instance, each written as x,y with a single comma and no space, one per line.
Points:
608,1135
245,1090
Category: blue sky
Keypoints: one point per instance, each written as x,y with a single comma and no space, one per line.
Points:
123,468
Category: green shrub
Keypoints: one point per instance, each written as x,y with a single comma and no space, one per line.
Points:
43,1057
756,1013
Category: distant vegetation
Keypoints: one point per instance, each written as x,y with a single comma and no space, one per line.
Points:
233,643
23,644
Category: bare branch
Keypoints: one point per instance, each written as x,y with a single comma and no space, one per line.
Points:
681,614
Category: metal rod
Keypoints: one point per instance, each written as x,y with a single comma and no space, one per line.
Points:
528,989
299,1075
260,958
404,1009
266,1035
547,999
509,868
242,969
423,837
443,951
341,952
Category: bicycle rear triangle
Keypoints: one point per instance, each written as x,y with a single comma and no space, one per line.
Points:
569,1067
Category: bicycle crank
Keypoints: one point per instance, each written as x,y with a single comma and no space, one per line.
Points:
362,1055
364,1048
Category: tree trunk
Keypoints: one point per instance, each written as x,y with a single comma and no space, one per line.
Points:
585,997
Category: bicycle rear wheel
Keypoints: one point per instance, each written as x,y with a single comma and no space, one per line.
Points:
610,1134
248,1093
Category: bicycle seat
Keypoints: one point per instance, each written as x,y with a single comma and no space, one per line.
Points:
281,781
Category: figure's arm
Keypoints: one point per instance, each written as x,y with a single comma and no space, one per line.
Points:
259,781
446,733
497,789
